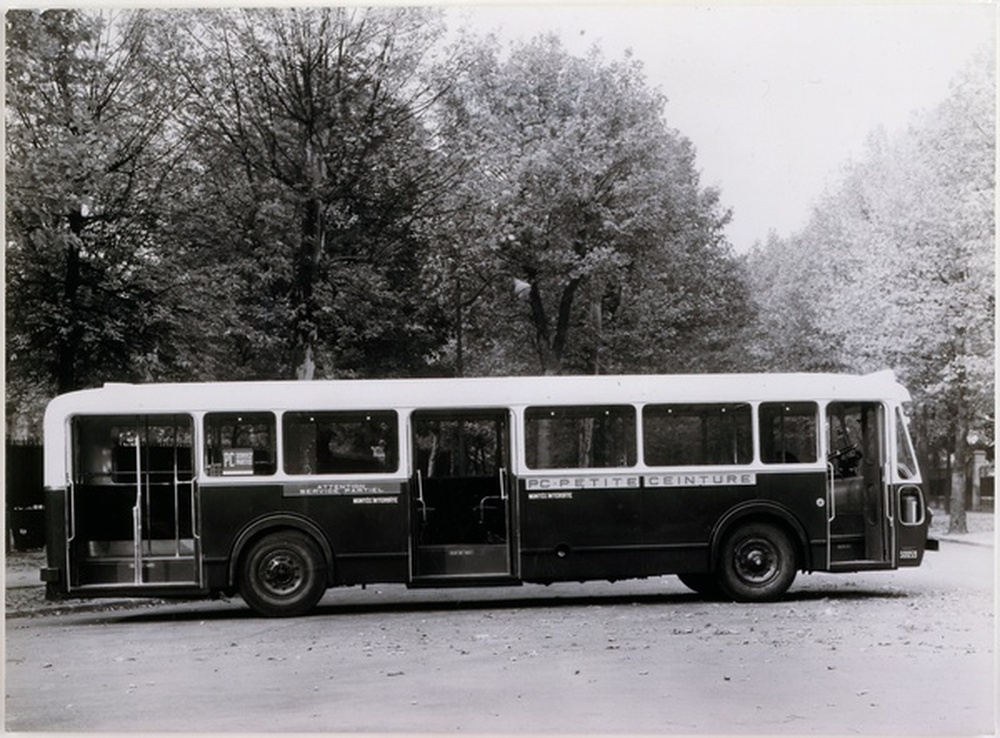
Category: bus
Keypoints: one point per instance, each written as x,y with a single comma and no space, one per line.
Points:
278,491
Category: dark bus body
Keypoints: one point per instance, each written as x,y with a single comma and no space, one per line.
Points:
281,490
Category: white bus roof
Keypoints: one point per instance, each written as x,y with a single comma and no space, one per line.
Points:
480,392
483,392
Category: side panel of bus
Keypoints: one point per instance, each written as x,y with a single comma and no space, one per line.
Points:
612,532
598,520
580,498
362,525
342,488
581,527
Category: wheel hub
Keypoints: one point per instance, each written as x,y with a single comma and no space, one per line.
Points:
282,573
756,561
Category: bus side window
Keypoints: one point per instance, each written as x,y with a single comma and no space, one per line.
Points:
697,435
340,442
239,444
580,437
788,432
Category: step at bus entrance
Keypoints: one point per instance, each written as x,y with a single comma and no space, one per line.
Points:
460,496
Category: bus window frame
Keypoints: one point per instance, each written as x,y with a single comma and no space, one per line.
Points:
202,436
819,444
754,447
402,458
521,447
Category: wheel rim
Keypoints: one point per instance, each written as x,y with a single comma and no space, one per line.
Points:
756,561
282,573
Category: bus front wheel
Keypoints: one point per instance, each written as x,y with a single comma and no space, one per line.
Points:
757,563
283,574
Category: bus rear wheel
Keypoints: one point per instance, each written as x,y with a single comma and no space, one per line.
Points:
757,563
283,574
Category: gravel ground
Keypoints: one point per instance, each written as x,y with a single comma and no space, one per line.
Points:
906,652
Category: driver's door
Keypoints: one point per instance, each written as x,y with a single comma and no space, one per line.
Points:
859,529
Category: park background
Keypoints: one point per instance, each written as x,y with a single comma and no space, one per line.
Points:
196,195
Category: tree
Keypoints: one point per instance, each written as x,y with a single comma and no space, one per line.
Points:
895,269
951,276
88,155
788,334
309,120
584,197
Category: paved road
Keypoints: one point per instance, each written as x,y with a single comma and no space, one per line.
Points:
907,652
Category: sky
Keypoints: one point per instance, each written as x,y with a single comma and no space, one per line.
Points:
776,99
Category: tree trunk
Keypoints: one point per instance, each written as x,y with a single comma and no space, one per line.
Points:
551,348
540,322
963,418
307,369
459,337
956,506
307,266
69,343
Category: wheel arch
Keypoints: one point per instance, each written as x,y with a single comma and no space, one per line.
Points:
271,524
760,512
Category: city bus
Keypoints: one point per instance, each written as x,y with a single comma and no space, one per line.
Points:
279,491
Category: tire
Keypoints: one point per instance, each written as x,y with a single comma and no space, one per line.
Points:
704,583
283,574
757,563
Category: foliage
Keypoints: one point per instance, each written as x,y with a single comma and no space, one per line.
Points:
895,268
309,133
571,188
87,294
261,193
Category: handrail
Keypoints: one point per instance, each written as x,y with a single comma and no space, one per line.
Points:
887,492
137,515
832,493
420,495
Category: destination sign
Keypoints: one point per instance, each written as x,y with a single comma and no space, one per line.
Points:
702,479
550,487
581,481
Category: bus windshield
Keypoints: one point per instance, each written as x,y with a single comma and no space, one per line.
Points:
906,459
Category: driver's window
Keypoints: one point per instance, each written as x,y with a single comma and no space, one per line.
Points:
906,460
852,437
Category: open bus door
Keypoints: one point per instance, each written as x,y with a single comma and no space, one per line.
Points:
860,530
133,503
461,496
